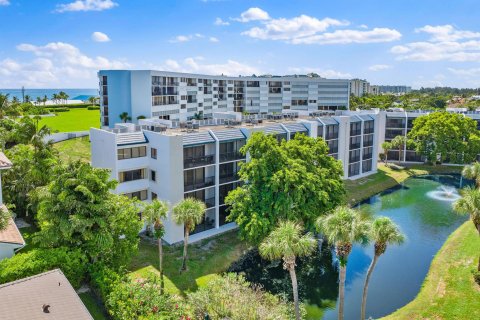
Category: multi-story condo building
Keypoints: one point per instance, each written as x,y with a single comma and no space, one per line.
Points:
376,89
359,87
172,160
183,96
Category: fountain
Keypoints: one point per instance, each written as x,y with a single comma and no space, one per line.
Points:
444,193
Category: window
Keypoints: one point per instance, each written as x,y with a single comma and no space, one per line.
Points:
355,142
355,128
131,175
368,127
354,156
153,175
140,195
154,196
354,169
331,131
153,153
128,153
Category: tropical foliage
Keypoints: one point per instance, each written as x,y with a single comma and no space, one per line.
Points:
383,233
72,262
188,212
449,136
292,180
245,301
78,210
287,242
343,227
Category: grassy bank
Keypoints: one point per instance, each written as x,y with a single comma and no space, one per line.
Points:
79,119
206,258
74,149
386,177
449,291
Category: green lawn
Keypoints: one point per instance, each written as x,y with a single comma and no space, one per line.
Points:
97,311
449,291
206,258
386,178
74,149
79,119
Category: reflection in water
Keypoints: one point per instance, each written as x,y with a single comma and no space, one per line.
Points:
426,221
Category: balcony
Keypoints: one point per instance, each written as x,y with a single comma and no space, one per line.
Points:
230,156
193,162
229,178
206,182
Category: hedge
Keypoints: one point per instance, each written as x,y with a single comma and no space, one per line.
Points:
59,110
73,264
93,108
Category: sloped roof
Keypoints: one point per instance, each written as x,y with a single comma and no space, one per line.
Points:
11,233
197,138
295,127
274,129
4,161
130,138
24,299
226,135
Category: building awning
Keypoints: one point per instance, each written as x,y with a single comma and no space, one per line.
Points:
275,129
327,120
229,135
295,127
197,138
355,119
365,117
130,138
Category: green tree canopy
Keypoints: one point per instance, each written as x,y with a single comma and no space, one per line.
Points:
452,136
295,180
78,210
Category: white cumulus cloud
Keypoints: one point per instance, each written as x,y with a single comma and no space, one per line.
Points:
472,72
446,43
56,64
198,65
379,67
325,73
220,22
100,37
4,2
253,14
305,29
213,39
87,5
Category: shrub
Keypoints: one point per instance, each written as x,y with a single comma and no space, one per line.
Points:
71,262
59,110
103,279
93,108
142,300
232,297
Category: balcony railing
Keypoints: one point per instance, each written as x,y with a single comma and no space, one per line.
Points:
229,156
193,162
229,178
207,182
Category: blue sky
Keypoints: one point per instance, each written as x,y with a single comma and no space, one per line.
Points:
62,43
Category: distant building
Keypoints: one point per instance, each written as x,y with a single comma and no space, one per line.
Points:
376,89
11,239
46,296
183,96
359,87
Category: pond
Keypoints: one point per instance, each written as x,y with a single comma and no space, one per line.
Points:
422,207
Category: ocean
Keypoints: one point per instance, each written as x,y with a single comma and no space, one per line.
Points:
34,93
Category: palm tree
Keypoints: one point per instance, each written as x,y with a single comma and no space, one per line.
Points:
287,242
39,100
153,213
470,203
189,212
125,117
472,172
55,98
399,143
343,227
28,99
384,232
44,100
386,146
